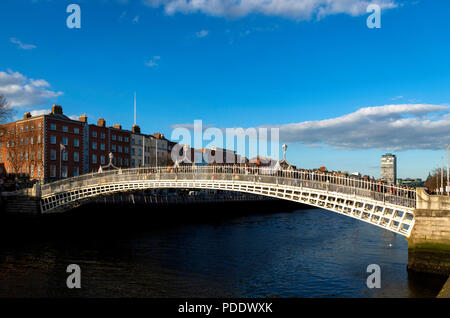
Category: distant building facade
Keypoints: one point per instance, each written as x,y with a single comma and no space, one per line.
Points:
104,140
389,168
45,147
54,146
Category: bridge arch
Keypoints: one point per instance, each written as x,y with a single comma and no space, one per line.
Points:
391,209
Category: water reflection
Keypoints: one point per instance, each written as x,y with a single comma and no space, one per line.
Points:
303,253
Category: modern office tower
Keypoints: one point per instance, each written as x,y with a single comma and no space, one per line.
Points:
389,168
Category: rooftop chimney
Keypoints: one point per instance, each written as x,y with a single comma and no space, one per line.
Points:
117,126
83,118
101,122
136,129
27,115
57,110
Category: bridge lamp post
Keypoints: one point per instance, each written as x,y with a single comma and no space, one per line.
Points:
284,147
185,150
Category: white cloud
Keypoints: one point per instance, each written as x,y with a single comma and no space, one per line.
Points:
22,91
202,33
39,112
21,45
389,127
136,19
294,9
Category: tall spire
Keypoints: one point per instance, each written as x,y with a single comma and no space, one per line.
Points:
135,108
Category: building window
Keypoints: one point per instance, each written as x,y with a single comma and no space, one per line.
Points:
65,129
52,171
94,145
39,139
102,146
52,154
76,130
32,140
120,148
76,171
53,140
113,148
119,138
126,139
125,149
113,137
39,171
94,159
102,159
76,156
102,135
132,151
64,172
52,126
65,141
94,134
65,155
76,142
39,155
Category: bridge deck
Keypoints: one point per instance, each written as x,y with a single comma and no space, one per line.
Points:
381,205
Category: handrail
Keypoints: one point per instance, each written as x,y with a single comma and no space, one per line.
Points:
296,178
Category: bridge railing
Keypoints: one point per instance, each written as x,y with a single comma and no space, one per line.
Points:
302,179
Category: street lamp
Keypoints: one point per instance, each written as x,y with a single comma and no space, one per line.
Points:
284,147
185,150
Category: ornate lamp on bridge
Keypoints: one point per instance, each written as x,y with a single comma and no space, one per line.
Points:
283,163
110,164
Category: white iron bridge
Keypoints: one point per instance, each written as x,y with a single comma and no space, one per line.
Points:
388,207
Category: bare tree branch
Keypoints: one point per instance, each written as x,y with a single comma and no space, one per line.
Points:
5,111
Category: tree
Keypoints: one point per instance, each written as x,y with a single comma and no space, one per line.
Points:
5,110
433,181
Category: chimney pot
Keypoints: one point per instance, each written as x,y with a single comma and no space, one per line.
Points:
57,109
101,122
83,118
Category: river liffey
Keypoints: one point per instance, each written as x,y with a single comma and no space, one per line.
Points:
300,253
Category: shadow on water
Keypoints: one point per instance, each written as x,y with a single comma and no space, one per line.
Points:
252,249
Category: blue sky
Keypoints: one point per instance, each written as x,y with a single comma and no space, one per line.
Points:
245,66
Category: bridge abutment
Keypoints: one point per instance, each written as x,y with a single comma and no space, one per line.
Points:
429,243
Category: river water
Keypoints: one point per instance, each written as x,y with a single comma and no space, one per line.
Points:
284,253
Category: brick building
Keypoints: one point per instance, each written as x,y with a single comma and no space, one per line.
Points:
46,147
104,140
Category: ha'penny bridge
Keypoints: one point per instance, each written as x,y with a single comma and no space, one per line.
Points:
422,218
389,207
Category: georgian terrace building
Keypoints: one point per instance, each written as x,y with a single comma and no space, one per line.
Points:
148,150
45,147
104,140
53,146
